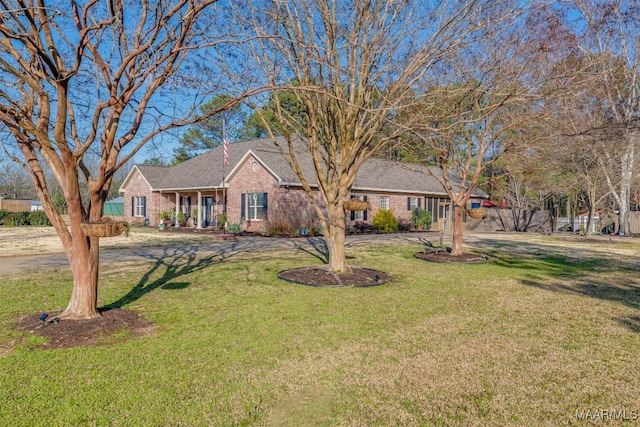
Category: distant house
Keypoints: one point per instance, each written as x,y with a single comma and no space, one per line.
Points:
258,178
20,205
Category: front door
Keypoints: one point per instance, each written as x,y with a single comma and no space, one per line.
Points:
445,216
208,209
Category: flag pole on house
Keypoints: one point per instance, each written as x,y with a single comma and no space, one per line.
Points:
225,162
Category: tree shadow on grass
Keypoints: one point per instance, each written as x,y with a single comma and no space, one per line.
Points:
316,247
176,261
571,270
173,262
621,291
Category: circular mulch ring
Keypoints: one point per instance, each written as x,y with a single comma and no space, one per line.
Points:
64,333
322,277
445,257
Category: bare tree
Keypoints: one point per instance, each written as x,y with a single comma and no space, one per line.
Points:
606,91
15,182
90,80
482,106
353,68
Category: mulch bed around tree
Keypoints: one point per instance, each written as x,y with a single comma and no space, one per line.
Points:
445,257
64,333
322,277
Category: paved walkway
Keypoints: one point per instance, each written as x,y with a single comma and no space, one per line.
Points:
243,244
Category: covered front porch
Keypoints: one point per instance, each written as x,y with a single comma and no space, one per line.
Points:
196,208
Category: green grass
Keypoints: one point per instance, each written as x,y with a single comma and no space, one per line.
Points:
528,339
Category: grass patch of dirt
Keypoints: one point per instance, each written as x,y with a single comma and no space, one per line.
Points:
445,257
322,277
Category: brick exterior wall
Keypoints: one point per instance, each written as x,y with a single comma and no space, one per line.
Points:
284,204
245,180
156,202
397,204
15,205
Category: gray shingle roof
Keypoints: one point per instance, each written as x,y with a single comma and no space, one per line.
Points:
388,175
205,171
153,174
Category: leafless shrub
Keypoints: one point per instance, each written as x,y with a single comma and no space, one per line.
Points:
290,213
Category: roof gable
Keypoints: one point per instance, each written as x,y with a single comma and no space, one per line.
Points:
151,174
251,155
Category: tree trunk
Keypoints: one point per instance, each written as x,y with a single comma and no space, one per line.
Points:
623,218
83,254
335,238
84,260
623,197
456,246
591,197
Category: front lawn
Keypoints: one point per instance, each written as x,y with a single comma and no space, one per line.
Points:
534,337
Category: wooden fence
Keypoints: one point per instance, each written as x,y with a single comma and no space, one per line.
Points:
511,220
634,222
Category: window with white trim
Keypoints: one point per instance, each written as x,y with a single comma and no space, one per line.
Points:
412,203
384,202
254,206
139,206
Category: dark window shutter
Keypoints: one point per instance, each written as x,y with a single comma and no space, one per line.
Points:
144,206
353,215
133,206
420,203
364,214
243,205
266,203
408,203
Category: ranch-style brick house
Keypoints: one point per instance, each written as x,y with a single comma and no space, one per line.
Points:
258,183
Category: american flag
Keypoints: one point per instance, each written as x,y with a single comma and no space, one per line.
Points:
225,151
225,145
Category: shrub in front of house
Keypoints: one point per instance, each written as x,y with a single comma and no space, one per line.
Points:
291,214
421,219
3,214
38,219
385,222
405,225
236,227
282,222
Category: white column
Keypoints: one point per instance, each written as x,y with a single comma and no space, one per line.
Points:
177,208
199,216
